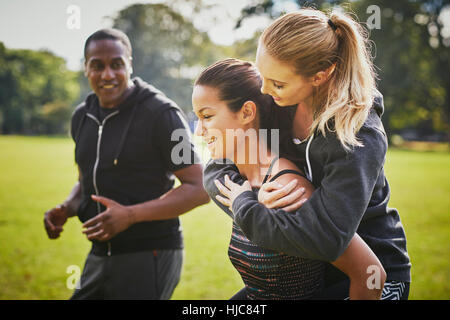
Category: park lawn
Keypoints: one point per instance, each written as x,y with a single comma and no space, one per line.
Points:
420,190
37,173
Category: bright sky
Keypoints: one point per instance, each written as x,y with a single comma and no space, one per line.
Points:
42,24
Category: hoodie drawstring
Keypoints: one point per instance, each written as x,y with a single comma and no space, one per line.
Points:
309,174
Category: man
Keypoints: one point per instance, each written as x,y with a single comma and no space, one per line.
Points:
125,195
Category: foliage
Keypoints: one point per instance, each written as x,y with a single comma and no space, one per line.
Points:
36,92
411,53
168,51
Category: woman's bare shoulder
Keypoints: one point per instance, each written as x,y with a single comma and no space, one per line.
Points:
285,164
284,179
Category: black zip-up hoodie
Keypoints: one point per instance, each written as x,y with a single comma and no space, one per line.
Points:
351,195
125,154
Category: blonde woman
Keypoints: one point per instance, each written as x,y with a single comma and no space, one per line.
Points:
227,97
319,72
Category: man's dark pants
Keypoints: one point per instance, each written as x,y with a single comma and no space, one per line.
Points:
144,275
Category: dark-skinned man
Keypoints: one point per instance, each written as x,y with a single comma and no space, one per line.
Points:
123,134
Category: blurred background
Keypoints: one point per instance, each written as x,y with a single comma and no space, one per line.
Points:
42,81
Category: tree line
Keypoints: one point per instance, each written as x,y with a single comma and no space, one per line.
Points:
411,49
37,92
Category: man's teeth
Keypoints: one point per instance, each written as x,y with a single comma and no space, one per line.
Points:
108,86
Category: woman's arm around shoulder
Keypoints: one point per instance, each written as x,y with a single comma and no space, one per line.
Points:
290,184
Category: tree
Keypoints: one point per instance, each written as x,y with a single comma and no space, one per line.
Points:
417,92
168,51
411,51
28,81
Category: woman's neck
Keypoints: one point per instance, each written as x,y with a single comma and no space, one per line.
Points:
303,120
254,171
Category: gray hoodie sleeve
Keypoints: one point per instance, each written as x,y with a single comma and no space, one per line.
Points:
323,227
217,170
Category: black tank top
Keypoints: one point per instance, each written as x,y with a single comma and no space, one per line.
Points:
268,274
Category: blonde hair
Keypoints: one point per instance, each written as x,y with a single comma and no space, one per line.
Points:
312,41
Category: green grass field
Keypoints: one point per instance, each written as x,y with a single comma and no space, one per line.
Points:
37,173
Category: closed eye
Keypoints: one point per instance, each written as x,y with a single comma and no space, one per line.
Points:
278,86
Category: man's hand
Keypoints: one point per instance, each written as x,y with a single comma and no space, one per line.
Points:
230,191
115,219
54,219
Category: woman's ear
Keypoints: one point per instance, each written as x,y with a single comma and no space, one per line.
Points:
319,78
322,76
247,114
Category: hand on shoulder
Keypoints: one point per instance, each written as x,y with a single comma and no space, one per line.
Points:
289,191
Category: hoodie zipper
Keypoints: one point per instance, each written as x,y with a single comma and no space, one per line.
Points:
97,159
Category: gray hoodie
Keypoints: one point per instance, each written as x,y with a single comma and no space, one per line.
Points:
351,195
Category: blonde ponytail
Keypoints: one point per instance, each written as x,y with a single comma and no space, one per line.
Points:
314,42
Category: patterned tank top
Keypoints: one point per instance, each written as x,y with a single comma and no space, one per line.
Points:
268,274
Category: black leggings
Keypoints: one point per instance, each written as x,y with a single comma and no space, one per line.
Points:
392,291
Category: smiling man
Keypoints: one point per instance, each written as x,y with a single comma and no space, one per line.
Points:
125,196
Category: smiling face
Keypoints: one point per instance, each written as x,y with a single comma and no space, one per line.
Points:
108,69
214,118
280,81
